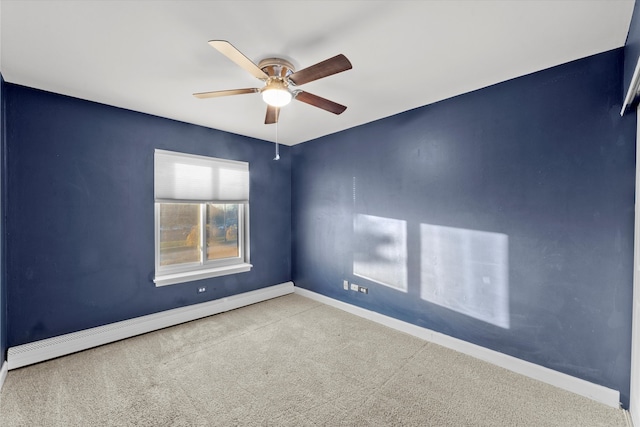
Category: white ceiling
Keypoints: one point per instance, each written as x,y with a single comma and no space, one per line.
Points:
150,56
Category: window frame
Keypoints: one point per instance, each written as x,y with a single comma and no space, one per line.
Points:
180,273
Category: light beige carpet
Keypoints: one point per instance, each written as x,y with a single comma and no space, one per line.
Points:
289,361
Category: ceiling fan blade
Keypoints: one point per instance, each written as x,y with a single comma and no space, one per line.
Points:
203,95
328,67
320,102
272,115
228,50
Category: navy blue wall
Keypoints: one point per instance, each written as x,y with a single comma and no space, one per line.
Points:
632,47
544,159
3,305
80,213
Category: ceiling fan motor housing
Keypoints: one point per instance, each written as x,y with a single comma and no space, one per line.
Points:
276,67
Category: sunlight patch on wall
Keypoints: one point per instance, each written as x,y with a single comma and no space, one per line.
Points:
380,252
466,271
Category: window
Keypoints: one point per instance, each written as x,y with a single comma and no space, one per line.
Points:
201,217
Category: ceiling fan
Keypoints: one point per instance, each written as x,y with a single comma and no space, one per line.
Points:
280,77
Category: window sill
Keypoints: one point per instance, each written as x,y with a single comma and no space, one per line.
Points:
188,276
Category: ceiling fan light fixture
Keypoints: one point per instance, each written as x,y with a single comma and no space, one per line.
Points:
276,97
276,94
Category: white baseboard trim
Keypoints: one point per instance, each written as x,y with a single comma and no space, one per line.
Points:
3,373
628,416
584,388
62,345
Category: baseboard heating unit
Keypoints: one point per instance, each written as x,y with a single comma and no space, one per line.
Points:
39,351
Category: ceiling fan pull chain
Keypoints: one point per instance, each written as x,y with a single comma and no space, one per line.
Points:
277,157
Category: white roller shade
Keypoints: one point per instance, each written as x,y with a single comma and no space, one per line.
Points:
179,176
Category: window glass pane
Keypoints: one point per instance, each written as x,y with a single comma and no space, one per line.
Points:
222,231
179,233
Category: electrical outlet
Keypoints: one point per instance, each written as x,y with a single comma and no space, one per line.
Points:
363,290
345,285
202,289
354,287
